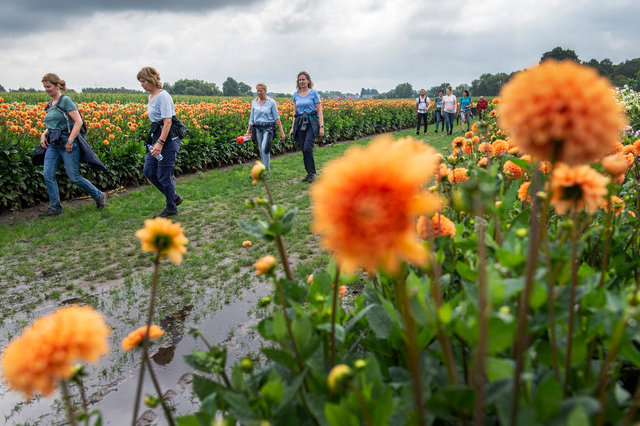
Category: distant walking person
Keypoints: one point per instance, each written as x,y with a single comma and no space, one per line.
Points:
263,119
308,122
62,142
481,107
439,116
163,144
422,108
449,110
464,108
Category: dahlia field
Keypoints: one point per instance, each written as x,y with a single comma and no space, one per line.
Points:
117,133
496,282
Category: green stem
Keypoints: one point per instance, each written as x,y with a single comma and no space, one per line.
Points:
479,359
551,293
363,404
607,243
67,402
145,340
436,295
572,301
603,379
334,305
525,296
413,355
83,398
165,407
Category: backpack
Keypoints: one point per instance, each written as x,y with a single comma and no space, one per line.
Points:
83,129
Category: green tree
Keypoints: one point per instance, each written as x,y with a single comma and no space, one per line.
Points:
558,53
193,87
244,88
435,89
403,90
2,88
230,87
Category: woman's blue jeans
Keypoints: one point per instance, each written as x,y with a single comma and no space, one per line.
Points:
262,137
448,120
439,119
52,158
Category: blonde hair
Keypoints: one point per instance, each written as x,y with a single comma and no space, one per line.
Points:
264,86
306,74
55,80
151,75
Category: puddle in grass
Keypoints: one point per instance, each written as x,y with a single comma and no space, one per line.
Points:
111,385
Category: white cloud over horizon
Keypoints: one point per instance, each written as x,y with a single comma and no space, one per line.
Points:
345,45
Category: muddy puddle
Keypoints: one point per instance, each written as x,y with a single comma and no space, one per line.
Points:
111,384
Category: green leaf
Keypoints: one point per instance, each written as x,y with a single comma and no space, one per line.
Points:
287,220
279,356
203,387
501,334
548,399
444,313
379,321
238,404
337,415
322,282
302,332
190,420
257,229
273,389
578,417
498,368
510,260
280,326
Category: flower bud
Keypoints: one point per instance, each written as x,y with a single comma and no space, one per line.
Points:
338,378
246,365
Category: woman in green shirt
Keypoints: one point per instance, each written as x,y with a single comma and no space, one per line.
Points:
63,123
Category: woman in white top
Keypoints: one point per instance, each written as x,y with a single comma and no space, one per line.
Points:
449,110
163,143
263,119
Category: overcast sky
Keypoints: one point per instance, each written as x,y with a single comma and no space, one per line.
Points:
344,44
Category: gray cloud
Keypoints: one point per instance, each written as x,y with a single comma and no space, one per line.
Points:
19,17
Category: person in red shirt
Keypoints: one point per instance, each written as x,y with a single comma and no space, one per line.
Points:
481,107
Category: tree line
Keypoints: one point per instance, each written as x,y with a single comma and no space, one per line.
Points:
621,74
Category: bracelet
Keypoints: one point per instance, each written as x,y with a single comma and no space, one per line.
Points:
160,141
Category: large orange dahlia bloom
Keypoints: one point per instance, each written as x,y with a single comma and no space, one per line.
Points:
366,202
571,113
46,351
577,187
164,237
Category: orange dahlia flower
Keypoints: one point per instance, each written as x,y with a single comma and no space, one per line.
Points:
437,226
577,188
247,243
545,167
467,147
526,158
475,139
265,264
483,162
365,204
572,114
468,135
500,146
523,192
458,142
443,171
134,339
614,202
458,175
164,237
487,148
512,170
614,164
46,351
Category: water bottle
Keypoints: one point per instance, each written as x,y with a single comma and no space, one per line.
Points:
157,157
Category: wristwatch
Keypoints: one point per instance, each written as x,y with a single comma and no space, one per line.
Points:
70,142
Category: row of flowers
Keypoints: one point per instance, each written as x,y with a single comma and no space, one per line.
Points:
498,283
118,131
